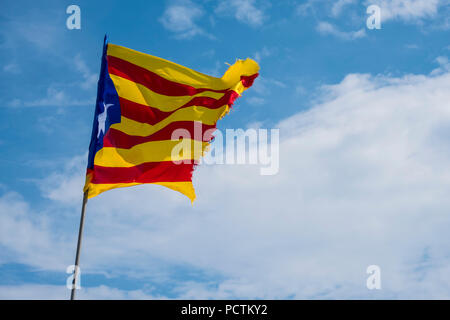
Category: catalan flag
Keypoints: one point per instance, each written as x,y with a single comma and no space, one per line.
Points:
141,101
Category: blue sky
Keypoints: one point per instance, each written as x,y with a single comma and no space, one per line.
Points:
364,126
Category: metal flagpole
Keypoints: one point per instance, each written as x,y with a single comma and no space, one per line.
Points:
100,98
77,258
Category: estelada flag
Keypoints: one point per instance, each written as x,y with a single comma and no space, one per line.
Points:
141,101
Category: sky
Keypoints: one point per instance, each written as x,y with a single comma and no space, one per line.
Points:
364,176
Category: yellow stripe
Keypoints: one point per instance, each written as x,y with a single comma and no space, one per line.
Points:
177,73
153,151
96,189
184,187
141,94
203,114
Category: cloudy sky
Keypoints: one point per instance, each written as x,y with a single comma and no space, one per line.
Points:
364,179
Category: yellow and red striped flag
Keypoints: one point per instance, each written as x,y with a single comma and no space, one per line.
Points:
141,101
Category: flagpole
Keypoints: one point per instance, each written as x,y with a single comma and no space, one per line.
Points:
77,257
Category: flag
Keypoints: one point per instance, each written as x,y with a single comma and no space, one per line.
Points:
141,101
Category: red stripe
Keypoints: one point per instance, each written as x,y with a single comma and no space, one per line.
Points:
151,80
118,139
247,81
142,113
165,171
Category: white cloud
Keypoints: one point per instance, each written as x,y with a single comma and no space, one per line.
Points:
246,11
12,68
363,179
210,53
444,65
54,292
255,125
14,103
55,97
19,29
326,28
216,71
257,101
28,236
58,94
300,90
180,17
263,53
407,10
339,5
89,78
263,85
306,7
412,46
410,11
66,186
42,29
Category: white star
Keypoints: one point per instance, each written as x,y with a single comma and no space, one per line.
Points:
102,119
